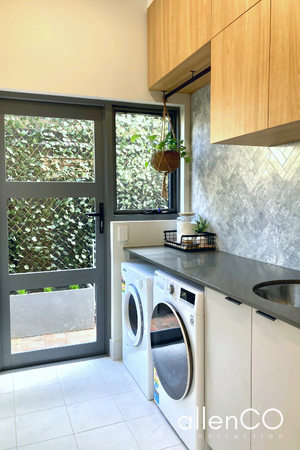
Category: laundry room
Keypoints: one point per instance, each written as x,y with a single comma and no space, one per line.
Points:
149,225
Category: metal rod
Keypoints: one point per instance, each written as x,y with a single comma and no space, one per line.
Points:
186,83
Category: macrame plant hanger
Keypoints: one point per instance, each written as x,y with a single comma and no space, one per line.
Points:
164,164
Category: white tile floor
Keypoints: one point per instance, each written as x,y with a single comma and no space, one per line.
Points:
86,405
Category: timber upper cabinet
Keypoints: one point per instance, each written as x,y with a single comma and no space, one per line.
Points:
285,64
255,79
240,75
224,12
179,33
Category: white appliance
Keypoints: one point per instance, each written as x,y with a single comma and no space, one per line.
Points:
177,341
137,294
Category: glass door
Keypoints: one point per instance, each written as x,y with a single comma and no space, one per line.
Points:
52,250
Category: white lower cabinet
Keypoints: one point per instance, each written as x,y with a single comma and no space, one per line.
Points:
227,371
275,384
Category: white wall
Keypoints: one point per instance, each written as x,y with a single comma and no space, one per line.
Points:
93,48
139,234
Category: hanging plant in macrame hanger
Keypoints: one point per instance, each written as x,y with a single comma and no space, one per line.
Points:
166,152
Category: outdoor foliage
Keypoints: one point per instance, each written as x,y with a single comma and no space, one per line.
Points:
49,234
137,187
54,234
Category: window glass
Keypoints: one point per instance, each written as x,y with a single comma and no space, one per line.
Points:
49,149
50,234
137,187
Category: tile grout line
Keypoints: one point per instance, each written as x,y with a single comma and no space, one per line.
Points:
67,410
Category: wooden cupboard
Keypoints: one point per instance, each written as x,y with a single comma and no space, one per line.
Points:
275,383
227,368
224,12
240,75
179,34
160,20
285,63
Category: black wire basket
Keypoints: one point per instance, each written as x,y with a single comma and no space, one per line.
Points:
191,243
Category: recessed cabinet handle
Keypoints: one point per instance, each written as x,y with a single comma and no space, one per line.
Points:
233,301
266,316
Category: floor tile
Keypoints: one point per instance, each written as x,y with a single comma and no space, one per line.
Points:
94,414
7,433
76,370
64,443
7,405
43,425
26,379
113,437
177,447
118,382
153,432
6,383
37,399
84,389
134,404
107,365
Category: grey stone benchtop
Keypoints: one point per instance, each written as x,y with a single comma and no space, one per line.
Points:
230,275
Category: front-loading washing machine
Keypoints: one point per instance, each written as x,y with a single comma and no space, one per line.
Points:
137,294
177,341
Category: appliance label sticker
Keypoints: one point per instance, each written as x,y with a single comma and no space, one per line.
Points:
156,379
123,284
156,397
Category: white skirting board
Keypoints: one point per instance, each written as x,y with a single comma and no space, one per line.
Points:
115,350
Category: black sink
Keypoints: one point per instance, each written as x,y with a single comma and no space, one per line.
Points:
286,292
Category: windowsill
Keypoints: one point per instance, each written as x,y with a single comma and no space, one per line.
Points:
141,217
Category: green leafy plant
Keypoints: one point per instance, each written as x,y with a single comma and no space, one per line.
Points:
74,286
22,292
169,143
201,225
48,289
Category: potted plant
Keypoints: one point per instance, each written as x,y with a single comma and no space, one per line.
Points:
201,225
166,151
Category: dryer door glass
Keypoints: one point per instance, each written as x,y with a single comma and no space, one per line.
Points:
133,313
171,351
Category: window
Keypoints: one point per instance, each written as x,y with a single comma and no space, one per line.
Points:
139,188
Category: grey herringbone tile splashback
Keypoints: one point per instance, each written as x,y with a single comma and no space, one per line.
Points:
251,195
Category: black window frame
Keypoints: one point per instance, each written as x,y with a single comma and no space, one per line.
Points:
174,178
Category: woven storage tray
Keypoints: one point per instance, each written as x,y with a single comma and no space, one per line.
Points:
191,243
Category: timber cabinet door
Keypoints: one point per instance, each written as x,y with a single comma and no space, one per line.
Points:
285,63
240,75
160,30
224,12
192,27
179,34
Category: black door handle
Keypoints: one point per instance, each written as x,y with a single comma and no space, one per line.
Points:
266,316
233,301
100,214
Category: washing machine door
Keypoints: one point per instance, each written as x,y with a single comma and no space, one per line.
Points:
171,350
133,315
